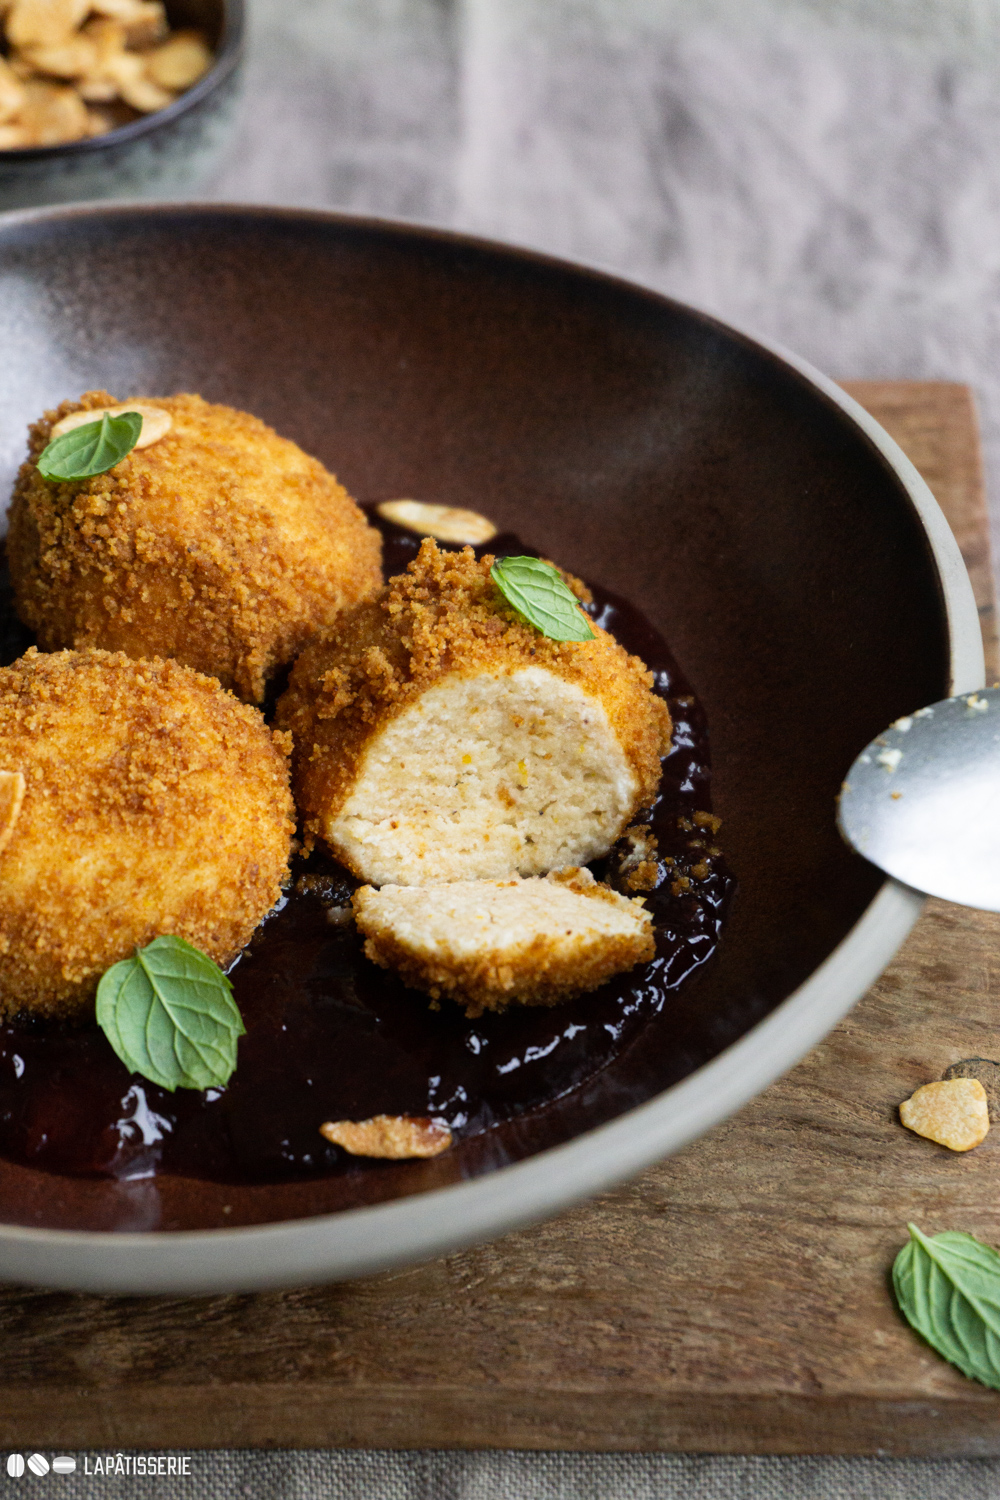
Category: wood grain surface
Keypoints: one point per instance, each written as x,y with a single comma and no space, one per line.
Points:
732,1299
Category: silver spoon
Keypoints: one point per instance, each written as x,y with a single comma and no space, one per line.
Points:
922,801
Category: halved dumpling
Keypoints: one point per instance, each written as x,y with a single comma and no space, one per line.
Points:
441,738
483,775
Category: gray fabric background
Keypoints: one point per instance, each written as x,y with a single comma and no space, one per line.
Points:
823,172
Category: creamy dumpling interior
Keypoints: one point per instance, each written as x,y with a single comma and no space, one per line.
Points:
440,738
487,774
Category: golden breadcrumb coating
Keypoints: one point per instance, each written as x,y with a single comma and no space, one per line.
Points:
492,943
221,545
437,736
154,802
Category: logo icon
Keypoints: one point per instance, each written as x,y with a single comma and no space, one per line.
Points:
38,1464
15,1465
63,1465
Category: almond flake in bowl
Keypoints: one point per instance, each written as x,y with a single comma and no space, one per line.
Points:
391,1137
446,523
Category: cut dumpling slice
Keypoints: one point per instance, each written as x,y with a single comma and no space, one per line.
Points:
491,943
539,779
439,738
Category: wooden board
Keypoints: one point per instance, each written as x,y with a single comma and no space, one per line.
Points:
731,1299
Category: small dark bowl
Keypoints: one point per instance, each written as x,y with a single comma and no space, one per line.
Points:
160,154
789,552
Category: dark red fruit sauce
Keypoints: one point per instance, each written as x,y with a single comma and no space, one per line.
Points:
332,1037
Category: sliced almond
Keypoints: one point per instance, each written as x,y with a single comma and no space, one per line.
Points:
180,61
20,66
12,94
52,113
145,21
11,797
156,422
145,95
447,523
44,23
954,1113
97,88
393,1137
69,59
107,35
128,70
14,138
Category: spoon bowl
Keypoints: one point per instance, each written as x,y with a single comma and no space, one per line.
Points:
922,801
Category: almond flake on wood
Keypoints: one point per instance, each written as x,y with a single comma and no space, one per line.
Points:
954,1113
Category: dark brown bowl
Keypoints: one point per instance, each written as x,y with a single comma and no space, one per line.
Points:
800,569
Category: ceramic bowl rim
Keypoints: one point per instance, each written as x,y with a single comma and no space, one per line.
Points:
226,57
363,1241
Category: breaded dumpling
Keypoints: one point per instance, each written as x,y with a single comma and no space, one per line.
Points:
153,802
438,737
492,943
219,544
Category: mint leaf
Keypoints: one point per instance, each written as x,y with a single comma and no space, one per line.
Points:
541,599
948,1287
91,449
170,1015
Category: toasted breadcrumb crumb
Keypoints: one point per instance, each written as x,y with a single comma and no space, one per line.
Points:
637,868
